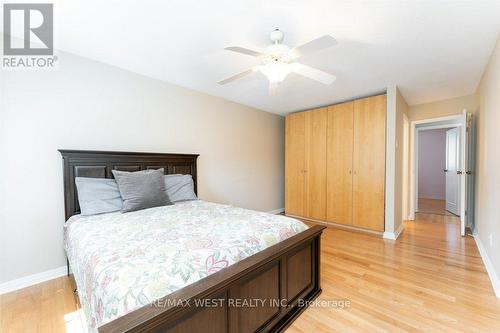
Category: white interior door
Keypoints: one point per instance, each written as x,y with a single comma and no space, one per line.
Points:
470,161
453,171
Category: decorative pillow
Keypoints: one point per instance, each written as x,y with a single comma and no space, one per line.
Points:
98,195
141,189
180,188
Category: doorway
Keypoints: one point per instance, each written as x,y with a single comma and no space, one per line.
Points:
447,188
434,190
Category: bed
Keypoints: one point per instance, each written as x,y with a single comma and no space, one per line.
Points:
189,267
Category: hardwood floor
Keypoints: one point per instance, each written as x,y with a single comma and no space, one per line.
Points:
46,307
433,206
430,279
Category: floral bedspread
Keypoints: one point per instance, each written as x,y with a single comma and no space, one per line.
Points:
124,261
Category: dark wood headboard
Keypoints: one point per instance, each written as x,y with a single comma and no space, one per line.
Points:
98,164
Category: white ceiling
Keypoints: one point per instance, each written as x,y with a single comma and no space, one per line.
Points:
432,49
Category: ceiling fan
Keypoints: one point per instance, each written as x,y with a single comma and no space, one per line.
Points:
278,60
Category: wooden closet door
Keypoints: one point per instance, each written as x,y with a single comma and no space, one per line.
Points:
316,122
295,155
369,162
339,163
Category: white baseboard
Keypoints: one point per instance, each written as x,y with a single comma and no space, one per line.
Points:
394,235
276,211
33,279
495,282
389,235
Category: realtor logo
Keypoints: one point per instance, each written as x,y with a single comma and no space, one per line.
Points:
28,35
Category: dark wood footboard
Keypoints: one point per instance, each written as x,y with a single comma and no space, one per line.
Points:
262,293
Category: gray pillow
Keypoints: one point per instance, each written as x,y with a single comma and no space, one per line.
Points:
98,195
141,189
180,188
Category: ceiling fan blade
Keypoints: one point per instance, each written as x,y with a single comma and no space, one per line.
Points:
313,46
244,51
237,76
314,74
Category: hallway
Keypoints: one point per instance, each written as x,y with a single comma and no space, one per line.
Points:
433,206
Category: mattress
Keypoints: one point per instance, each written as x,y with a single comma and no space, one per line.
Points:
122,262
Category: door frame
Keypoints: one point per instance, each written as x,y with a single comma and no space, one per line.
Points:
459,120
457,133
406,167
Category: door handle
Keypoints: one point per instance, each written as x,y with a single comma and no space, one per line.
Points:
445,170
459,172
469,172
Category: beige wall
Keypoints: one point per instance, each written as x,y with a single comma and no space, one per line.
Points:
89,105
396,108
488,163
401,110
447,107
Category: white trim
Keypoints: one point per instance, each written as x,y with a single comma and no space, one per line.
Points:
394,235
276,211
495,282
33,279
406,168
432,127
437,119
389,235
412,207
462,183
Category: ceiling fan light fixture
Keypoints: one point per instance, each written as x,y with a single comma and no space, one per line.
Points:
276,71
278,60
